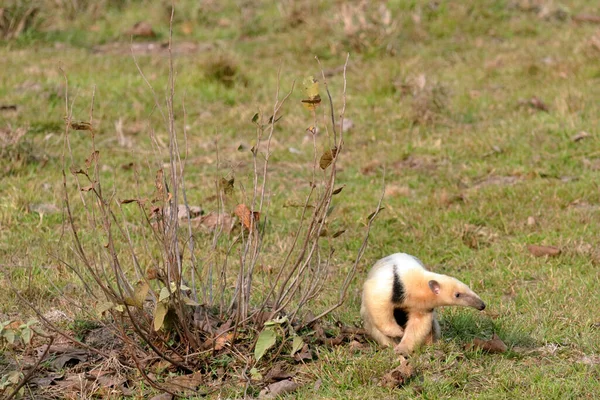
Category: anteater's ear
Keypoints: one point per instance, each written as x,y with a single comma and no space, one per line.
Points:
434,286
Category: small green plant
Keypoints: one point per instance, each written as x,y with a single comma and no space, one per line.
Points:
12,334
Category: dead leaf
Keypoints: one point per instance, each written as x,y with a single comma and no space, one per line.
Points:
8,107
338,190
68,358
92,159
580,136
304,355
537,104
397,190
249,218
370,167
162,396
141,29
327,158
44,208
399,375
227,185
185,382
531,221
356,345
223,340
194,211
278,389
278,373
213,220
495,345
593,19
338,233
81,126
107,378
159,183
540,251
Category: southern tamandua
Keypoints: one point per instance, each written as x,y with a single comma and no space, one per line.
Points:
399,300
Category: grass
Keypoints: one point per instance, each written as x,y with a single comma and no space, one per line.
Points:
482,157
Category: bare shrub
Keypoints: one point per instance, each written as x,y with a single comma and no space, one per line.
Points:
168,293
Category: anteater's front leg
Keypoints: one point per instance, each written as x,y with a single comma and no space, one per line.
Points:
419,325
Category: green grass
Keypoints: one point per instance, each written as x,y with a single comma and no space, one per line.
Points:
487,57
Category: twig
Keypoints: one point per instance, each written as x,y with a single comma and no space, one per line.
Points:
29,375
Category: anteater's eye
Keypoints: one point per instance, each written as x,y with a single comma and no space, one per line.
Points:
457,295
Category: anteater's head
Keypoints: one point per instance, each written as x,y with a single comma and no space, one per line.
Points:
452,292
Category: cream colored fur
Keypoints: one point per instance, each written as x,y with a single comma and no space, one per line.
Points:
423,292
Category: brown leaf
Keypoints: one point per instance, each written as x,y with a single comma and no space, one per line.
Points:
356,345
338,233
593,19
141,29
127,201
538,104
580,136
162,396
495,345
194,211
399,375
278,389
92,159
223,340
338,190
278,373
227,185
213,220
304,355
185,382
327,158
81,126
8,107
248,218
159,183
540,251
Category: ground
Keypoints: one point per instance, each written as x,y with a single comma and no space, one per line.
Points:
484,119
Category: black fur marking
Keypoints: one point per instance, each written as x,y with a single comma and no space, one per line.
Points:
398,288
401,317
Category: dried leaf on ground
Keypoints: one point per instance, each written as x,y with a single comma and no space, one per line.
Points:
223,340
278,389
185,382
68,358
580,136
305,354
540,251
278,373
107,378
399,375
535,102
141,29
590,18
44,208
495,345
212,220
194,211
531,221
162,396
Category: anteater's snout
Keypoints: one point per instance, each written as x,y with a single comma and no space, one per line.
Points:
481,306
